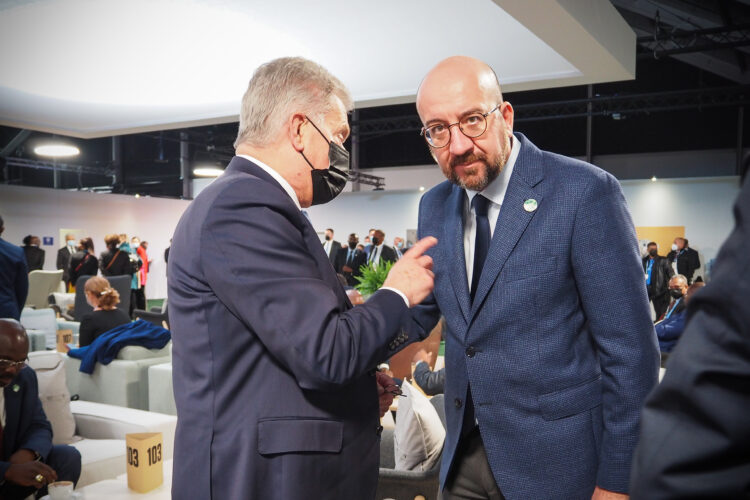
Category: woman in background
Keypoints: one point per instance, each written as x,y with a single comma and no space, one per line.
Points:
114,261
83,262
105,316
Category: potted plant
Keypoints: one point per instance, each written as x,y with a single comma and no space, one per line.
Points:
372,278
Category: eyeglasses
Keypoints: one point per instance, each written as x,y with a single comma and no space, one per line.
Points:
473,125
9,363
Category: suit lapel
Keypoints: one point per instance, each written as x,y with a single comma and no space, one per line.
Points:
513,218
453,252
12,409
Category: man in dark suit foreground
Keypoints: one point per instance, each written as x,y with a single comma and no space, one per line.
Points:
546,369
695,430
274,371
28,460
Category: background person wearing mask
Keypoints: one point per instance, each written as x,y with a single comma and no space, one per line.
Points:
83,262
331,246
677,289
105,316
380,253
274,371
349,260
14,278
63,258
684,259
34,255
658,272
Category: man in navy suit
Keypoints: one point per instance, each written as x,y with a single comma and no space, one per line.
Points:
274,371
28,460
695,434
547,364
14,278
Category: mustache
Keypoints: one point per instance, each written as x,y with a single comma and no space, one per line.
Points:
467,158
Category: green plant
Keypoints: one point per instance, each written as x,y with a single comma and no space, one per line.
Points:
372,278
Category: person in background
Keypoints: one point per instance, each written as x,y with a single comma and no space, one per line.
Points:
669,330
133,255
166,252
28,459
695,430
34,255
114,261
63,258
83,262
684,260
678,287
350,259
380,252
14,278
142,251
331,246
137,286
431,382
368,242
105,316
658,273
398,246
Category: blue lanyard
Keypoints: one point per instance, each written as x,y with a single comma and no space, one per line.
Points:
673,308
648,271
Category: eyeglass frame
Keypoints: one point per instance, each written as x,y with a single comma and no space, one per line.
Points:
483,115
14,364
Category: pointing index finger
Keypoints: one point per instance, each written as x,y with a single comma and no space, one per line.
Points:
421,247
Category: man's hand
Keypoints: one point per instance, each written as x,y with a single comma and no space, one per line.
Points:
346,269
601,494
385,385
26,474
412,274
422,355
22,456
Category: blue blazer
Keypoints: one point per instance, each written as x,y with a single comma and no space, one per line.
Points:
273,369
558,346
14,280
26,425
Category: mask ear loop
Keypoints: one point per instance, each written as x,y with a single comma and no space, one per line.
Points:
321,133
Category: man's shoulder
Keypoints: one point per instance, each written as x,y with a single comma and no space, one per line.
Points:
439,193
11,249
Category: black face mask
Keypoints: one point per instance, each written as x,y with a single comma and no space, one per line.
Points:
328,238
652,253
676,294
328,184
375,240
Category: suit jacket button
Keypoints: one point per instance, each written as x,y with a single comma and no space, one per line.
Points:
379,430
458,403
470,351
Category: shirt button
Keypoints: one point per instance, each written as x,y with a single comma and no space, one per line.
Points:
470,351
458,403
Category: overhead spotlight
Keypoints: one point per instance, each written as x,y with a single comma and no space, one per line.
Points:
56,150
421,188
207,171
137,195
653,179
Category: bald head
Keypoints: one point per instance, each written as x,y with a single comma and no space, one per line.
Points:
467,125
459,73
14,347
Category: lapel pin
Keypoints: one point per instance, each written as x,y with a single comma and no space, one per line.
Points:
16,388
530,205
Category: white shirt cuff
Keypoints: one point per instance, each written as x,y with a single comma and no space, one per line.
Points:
403,296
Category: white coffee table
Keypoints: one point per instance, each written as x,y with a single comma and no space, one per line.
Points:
117,489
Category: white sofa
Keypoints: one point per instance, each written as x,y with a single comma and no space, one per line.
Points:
123,382
100,429
160,389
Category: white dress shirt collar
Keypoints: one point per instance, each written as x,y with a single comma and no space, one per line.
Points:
277,176
495,191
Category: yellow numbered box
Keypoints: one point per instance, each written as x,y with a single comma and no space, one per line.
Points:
64,337
145,465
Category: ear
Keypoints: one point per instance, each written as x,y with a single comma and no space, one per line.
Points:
294,131
506,109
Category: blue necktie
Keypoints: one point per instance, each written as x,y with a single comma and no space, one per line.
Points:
480,204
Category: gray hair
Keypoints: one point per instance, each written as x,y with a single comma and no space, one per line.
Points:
680,277
281,87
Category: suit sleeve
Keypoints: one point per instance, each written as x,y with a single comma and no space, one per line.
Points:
256,262
431,382
667,269
621,328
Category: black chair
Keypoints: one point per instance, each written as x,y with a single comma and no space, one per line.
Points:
155,315
404,484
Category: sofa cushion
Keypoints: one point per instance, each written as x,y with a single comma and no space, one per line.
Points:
135,352
53,392
419,434
100,459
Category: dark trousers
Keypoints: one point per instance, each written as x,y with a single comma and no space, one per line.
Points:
661,302
137,299
471,476
65,460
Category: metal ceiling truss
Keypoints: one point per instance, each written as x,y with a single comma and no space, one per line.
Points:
667,41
